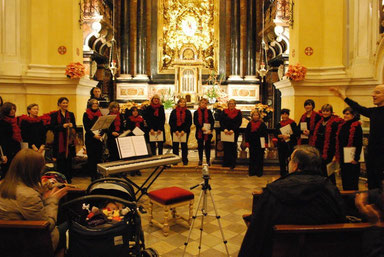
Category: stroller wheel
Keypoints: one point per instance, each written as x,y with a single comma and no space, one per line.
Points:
149,252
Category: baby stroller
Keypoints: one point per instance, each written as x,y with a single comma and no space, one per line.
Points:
106,222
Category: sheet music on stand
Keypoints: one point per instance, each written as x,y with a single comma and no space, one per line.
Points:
103,122
131,146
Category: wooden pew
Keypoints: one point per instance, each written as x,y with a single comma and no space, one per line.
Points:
331,240
25,238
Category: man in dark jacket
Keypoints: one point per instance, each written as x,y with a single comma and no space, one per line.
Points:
303,197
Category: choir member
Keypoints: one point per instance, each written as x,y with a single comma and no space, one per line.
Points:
311,118
114,130
10,135
180,122
63,125
203,120
155,118
33,129
96,94
230,123
93,140
285,142
133,121
349,134
256,129
375,156
1,101
324,138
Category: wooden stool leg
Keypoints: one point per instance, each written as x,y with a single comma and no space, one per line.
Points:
190,212
150,212
166,225
173,212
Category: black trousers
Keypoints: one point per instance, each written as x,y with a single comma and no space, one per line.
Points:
230,153
350,176
184,150
64,165
284,151
94,153
159,146
375,169
112,148
202,146
256,160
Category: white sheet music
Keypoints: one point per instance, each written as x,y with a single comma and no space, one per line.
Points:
227,138
349,154
125,133
138,132
332,167
156,137
125,147
139,145
207,127
303,126
286,130
103,122
180,138
262,142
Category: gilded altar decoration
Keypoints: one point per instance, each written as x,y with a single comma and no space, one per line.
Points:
187,22
75,70
296,72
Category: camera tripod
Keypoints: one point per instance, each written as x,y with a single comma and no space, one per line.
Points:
205,189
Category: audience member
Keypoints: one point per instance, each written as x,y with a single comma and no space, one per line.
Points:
303,197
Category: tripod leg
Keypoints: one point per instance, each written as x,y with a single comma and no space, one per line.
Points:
218,220
204,212
193,222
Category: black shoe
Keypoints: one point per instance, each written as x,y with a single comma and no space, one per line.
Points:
185,163
209,163
133,173
232,167
138,173
200,163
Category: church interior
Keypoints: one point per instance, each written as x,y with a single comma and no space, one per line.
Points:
267,55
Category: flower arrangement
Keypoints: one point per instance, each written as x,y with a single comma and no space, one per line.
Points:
296,72
214,91
75,70
167,99
264,110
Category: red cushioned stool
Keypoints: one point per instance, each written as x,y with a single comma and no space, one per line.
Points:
169,198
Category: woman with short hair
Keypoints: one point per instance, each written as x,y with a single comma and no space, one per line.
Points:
22,196
116,128
230,122
180,122
93,141
203,120
349,134
33,130
63,124
310,118
324,137
155,118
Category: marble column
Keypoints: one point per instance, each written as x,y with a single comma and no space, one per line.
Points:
250,72
141,46
235,41
125,39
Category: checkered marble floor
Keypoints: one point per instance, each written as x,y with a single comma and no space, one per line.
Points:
232,194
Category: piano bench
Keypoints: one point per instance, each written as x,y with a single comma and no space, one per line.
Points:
169,198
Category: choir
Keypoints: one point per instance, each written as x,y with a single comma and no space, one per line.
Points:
330,134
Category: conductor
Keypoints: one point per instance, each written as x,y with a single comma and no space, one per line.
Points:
375,158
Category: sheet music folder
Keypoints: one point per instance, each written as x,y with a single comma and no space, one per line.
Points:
103,122
133,146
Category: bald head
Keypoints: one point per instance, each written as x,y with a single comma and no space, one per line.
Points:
378,95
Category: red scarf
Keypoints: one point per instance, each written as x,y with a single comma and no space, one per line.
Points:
28,119
155,109
16,135
351,136
137,120
328,130
202,119
117,121
231,113
311,123
91,114
180,115
255,125
62,134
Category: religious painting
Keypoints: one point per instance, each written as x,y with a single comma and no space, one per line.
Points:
188,22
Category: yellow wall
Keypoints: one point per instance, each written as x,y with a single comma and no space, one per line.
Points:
55,23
